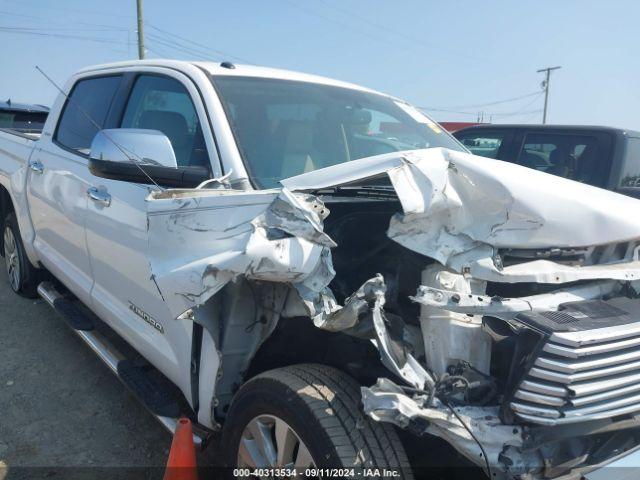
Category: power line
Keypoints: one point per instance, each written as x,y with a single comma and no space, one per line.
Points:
519,112
345,25
62,36
530,103
526,119
179,48
12,14
494,114
65,22
204,50
377,25
410,38
63,29
165,38
515,114
497,102
159,52
57,8
191,52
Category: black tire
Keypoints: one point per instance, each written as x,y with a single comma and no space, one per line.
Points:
322,405
22,276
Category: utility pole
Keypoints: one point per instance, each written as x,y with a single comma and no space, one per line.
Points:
545,84
140,31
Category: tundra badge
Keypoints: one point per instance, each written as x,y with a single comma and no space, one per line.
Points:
146,317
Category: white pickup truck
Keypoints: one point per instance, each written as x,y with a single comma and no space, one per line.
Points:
321,274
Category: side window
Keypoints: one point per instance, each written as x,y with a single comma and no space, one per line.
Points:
25,122
481,143
631,164
569,156
164,104
89,98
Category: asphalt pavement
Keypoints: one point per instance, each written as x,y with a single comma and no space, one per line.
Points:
63,414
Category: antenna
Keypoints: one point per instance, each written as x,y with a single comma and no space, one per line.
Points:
95,124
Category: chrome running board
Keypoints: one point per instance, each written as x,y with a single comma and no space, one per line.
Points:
105,351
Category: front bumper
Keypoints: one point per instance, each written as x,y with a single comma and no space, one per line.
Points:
526,452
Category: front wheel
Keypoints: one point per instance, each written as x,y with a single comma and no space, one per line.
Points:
304,417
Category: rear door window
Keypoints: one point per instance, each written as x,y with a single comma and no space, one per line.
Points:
85,112
576,157
485,144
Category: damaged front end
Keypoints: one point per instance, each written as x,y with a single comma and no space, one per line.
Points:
501,300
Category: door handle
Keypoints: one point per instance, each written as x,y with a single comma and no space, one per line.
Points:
99,196
36,166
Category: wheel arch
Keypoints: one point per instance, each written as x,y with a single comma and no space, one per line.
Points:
297,340
6,207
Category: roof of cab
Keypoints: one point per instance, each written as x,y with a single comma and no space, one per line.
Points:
547,127
240,70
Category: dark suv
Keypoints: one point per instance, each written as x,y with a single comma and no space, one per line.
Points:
600,156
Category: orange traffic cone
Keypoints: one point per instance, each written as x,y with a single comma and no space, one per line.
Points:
182,457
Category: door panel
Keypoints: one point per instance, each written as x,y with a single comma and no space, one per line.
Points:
124,294
57,196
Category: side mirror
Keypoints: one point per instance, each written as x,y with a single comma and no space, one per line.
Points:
136,155
148,147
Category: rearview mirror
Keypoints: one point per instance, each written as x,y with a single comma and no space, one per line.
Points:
138,156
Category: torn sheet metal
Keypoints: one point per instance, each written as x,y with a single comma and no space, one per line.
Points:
202,239
364,311
359,304
459,209
405,366
507,308
386,402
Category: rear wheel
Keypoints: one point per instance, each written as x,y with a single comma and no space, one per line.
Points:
22,276
307,416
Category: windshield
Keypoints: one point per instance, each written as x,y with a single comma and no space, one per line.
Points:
284,128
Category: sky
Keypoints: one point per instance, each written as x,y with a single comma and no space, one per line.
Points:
455,59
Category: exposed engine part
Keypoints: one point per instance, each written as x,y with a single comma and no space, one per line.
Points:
450,337
363,315
507,308
465,385
388,402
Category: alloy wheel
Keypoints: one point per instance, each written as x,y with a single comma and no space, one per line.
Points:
269,442
11,258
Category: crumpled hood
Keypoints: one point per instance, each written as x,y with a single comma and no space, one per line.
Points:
491,201
457,208
460,209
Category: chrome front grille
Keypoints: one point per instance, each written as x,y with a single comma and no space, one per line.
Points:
582,375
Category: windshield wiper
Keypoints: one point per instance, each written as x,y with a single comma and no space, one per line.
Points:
369,191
